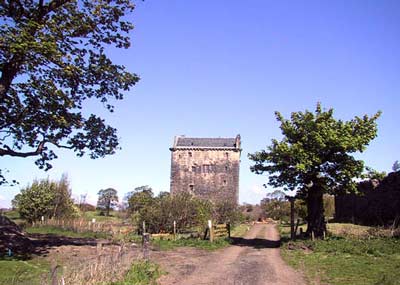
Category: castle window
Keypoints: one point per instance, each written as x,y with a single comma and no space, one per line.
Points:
191,187
207,168
194,168
190,154
226,167
226,155
224,182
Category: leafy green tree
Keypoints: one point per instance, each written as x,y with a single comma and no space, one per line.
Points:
139,198
227,212
107,200
50,199
52,59
314,157
373,174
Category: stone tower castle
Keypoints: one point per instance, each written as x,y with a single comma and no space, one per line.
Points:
206,167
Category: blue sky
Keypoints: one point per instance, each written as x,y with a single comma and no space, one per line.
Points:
221,68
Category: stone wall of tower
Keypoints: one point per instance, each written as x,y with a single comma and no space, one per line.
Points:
206,173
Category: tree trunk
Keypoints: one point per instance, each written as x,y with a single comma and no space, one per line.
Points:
108,207
315,208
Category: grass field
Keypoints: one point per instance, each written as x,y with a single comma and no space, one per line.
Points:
113,217
14,271
66,233
348,256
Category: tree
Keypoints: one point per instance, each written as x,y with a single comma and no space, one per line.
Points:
107,200
50,199
314,158
139,198
53,59
396,166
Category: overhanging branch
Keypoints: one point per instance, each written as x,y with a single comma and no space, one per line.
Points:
8,151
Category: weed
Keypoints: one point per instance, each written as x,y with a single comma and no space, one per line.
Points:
141,273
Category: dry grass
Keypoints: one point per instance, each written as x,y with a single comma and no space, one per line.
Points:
357,231
106,267
82,225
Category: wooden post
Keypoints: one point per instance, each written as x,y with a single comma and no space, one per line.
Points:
145,245
228,228
297,226
144,227
292,232
210,227
174,230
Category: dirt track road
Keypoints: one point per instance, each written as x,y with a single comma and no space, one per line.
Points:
254,260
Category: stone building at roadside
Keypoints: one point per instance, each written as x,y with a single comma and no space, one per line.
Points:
208,168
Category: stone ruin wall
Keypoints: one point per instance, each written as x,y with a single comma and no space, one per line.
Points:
208,174
378,202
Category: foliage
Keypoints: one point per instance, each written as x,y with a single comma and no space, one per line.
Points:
251,212
279,209
52,60
374,174
141,273
139,198
159,212
107,200
314,157
396,166
86,207
227,212
276,209
50,199
183,208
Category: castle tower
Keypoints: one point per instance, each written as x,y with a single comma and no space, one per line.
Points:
208,168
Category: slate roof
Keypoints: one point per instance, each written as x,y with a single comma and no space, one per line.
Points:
185,142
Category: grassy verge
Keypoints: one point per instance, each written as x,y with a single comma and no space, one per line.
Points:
165,244
14,271
240,230
64,232
141,273
161,244
345,259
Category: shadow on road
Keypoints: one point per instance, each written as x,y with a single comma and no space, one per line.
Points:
256,242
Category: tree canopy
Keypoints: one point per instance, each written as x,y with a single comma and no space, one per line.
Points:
314,156
107,200
52,59
50,199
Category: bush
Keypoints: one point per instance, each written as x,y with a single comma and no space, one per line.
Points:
50,199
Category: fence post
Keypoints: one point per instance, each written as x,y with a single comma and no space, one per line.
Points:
174,230
145,245
228,228
210,228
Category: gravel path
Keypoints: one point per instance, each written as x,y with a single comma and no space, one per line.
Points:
254,259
